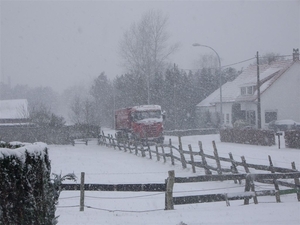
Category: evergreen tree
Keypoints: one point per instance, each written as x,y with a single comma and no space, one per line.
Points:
102,92
156,89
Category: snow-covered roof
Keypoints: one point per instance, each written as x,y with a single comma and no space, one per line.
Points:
231,90
146,107
14,109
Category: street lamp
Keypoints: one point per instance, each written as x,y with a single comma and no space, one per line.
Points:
220,76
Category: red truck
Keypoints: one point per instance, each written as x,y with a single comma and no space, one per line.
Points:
140,123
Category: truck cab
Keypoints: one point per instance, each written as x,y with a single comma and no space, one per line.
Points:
142,123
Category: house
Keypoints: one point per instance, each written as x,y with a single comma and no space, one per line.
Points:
14,112
279,95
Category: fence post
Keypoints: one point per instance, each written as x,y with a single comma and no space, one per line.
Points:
217,158
118,143
233,167
183,162
297,182
136,148
113,141
253,189
245,164
109,139
128,146
150,153
192,159
82,192
104,139
247,189
163,152
172,157
124,143
157,155
277,196
207,171
171,152
249,186
143,151
98,138
169,190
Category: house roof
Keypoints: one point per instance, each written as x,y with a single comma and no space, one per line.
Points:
231,90
14,109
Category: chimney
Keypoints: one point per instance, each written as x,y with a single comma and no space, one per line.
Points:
295,54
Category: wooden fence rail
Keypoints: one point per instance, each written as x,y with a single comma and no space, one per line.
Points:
246,195
168,186
116,187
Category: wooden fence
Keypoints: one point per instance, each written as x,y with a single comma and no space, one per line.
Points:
249,191
173,154
187,157
168,186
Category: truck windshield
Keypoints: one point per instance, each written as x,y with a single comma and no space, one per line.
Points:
141,115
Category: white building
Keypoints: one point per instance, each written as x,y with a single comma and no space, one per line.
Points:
279,94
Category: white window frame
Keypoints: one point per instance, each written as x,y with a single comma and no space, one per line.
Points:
247,90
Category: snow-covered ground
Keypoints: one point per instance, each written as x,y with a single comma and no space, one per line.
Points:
105,165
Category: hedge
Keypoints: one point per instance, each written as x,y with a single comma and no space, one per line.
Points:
250,136
49,135
292,139
26,190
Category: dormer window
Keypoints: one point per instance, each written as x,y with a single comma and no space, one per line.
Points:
248,90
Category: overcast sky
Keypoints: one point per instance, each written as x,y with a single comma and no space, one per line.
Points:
62,43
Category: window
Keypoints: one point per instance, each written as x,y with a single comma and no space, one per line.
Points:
270,116
141,115
251,117
249,90
227,118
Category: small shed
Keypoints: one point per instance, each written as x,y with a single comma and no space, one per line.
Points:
13,112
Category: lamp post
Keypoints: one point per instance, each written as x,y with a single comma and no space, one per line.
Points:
220,77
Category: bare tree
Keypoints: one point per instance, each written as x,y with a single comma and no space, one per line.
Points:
76,114
82,111
208,61
42,116
270,57
144,47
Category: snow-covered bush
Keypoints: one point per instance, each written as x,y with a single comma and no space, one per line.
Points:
26,190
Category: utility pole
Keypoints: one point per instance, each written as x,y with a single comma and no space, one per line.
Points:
258,95
174,96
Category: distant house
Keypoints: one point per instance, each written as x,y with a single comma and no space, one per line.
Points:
14,112
279,95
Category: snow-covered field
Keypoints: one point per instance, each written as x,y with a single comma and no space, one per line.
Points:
105,165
